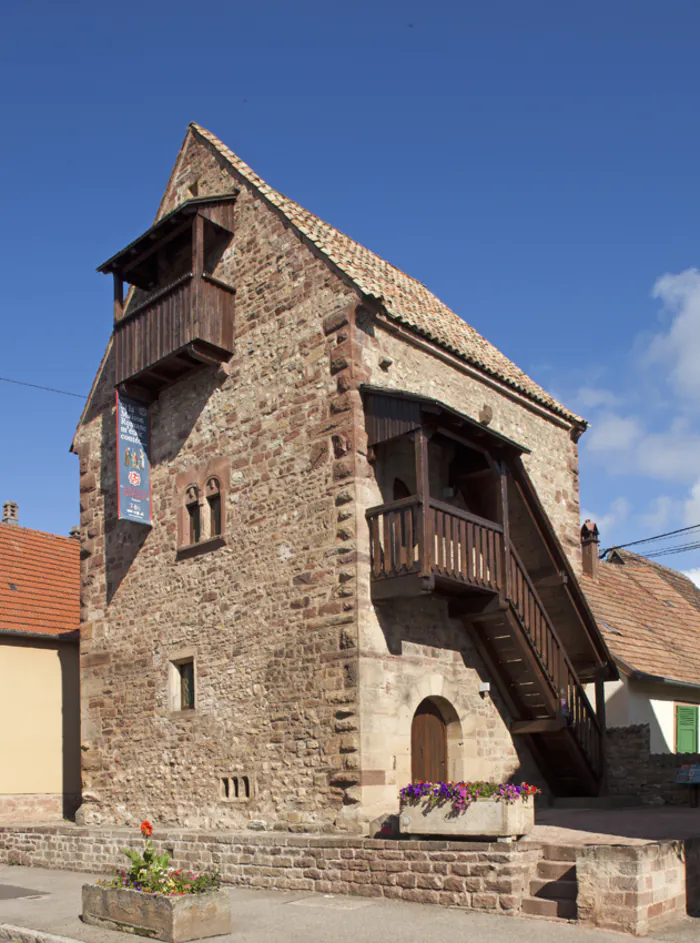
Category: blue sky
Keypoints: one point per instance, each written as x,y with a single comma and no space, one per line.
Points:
534,164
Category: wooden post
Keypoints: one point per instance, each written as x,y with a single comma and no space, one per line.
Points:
601,714
505,523
196,314
423,492
118,297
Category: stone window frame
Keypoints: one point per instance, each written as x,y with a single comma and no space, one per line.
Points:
236,787
175,660
196,485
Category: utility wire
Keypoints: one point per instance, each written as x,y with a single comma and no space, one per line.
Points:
648,540
48,389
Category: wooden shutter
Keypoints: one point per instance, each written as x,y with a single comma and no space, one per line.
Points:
686,729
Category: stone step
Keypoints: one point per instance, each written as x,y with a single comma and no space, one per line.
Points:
559,852
559,890
556,870
542,907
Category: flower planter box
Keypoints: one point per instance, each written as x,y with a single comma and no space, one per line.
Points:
484,818
173,919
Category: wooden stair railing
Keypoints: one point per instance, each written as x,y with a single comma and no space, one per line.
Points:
437,540
554,662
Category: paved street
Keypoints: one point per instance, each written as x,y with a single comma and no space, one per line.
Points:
50,902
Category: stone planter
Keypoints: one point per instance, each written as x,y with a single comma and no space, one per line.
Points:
173,919
485,818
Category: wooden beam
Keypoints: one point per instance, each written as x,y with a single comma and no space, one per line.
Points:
554,579
423,491
541,725
118,297
394,587
505,523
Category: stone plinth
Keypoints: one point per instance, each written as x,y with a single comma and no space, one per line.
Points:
173,919
484,818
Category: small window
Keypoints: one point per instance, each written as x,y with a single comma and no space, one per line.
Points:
214,505
186,672
194,514
686,728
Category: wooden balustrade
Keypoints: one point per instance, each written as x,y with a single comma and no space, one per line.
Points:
394,535
465,547
188,310
554,662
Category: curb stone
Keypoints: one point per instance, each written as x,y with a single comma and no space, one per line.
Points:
12,934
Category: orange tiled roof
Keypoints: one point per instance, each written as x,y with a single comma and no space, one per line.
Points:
649,615
39,581
405,300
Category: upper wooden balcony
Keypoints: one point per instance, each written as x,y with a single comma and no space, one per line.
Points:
179,315
418,546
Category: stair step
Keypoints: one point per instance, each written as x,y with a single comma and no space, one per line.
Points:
541,907
554,890
556,870
559,852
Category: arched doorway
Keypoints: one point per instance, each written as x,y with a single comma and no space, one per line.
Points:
428,744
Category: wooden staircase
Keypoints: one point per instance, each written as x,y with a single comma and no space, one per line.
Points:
544,696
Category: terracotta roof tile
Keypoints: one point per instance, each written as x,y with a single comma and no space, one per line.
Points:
405,300
39,581
649,616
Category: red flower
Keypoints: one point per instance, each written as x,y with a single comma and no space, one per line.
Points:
146,829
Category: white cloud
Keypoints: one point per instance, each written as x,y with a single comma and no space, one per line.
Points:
678,348
693,575
613,433
591,398
658,515
691,508
617,513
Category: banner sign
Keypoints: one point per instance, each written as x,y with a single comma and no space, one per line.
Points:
133,466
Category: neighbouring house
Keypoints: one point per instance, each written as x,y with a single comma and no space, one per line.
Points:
332,544
39,672
649,616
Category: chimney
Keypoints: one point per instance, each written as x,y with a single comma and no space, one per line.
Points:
589,549
10,513
75,532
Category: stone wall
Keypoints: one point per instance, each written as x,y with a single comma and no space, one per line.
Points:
637,888
634,771
37,807
270,616
475,875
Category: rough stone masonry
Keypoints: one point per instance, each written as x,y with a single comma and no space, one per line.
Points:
298,692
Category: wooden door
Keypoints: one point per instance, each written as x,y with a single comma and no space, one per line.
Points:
428,744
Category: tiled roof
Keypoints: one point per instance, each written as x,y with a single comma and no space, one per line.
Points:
405,300
39,581
649,616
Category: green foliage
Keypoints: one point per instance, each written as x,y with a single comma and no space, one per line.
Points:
149,873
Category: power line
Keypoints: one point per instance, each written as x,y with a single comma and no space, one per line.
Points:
48,389
685,548
648,540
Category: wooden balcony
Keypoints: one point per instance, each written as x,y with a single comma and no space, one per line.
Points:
419,547
176,330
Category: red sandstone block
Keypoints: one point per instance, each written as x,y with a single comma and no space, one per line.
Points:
485,902
422,896
431,882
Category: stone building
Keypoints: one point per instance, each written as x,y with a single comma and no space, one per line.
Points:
39,673
361,563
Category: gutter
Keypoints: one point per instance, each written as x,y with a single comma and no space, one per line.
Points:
635,675
72,638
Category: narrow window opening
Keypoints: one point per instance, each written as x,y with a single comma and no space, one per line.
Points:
194,514
225,787
246,787
186,672
214,503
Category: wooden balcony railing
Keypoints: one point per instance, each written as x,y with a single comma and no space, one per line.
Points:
188,310
555,664
408,537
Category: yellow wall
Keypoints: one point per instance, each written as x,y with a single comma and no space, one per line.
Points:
39,717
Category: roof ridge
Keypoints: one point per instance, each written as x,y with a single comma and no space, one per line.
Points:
405,299
14,528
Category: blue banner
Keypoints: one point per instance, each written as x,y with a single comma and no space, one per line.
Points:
133,465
